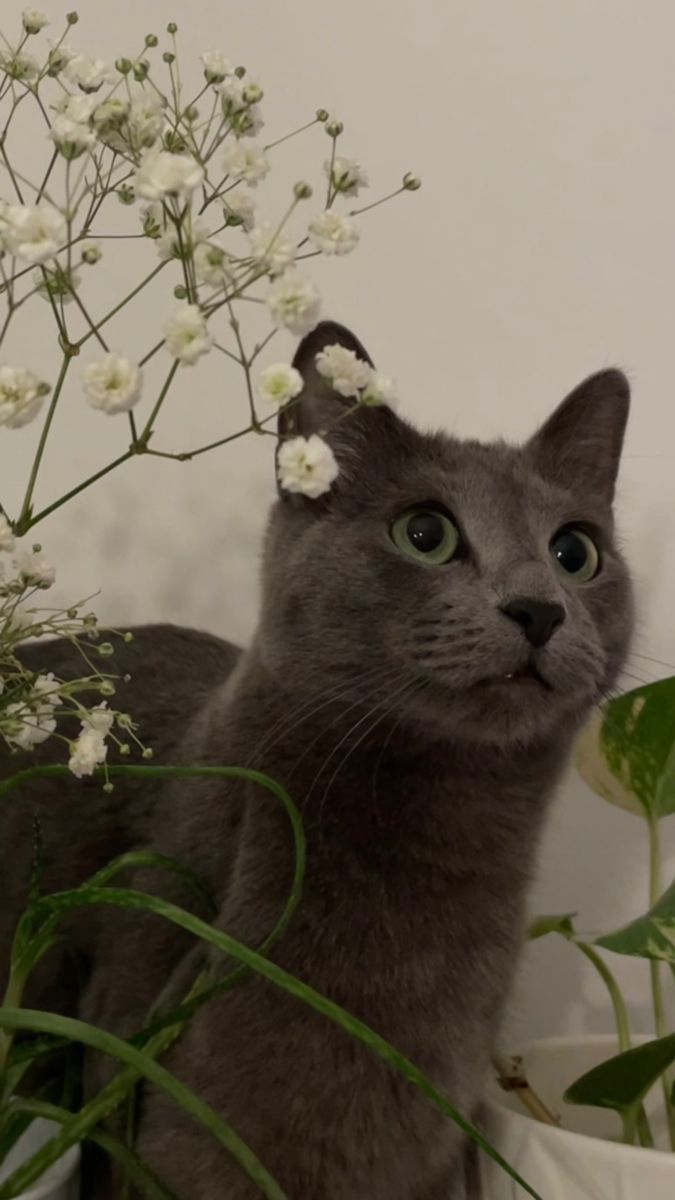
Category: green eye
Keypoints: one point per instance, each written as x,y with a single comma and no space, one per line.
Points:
575,554
426,535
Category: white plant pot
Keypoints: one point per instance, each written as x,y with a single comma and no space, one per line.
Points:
583,1159
57,1183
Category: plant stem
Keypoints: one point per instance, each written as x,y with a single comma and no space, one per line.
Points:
147,432
113,311
24,521
655,889
80,488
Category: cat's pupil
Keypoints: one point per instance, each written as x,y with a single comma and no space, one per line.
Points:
425,531
570,552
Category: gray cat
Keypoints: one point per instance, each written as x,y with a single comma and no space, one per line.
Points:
433,633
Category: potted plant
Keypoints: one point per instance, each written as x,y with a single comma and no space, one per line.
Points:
182,182
594,1117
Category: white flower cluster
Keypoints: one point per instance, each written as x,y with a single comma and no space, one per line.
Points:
350,375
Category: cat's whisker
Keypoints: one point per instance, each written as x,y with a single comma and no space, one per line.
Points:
352,729
382,683
660,662
289,721
345,758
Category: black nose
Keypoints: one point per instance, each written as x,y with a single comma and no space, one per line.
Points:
539,618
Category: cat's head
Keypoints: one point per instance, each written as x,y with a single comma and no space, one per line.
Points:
475,586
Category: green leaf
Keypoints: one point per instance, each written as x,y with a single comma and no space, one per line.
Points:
126,898
622,1082
562,924
651,936
137,1170
627,754
98,1039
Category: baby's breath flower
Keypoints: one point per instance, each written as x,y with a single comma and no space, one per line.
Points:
186,335
216,66
307,466
71,137
146,121
279,384
240,207
19,65
346,373
164,174
33,567
241,107
271,249
35,234
6,535
333,233
58,59
170,245
211,264
294,304
31,720
34,20
87,753
57,281
346,175
380,389
113,384
89,74
109,118
21,396
245,162
76,107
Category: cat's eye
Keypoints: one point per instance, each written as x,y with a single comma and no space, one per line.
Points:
575,553
427,535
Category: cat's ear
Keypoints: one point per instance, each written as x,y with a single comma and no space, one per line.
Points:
354,431
318,405
580,444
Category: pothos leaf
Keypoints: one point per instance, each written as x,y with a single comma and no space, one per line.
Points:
650,936
627,754
622,1082
562,924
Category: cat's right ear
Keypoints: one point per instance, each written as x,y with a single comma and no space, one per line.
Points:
351,429
318,406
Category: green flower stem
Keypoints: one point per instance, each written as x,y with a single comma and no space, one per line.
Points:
45,512
113,311
640,1123
45,181
655,890
356,212
294,133
147,432
24,521
94,329
245,366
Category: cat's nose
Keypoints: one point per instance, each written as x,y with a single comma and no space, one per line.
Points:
539,619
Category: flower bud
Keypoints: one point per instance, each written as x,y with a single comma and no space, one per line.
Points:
334,128
72,18
151,39
126,194
147,752
172,27
411,183
180,291
252,94
106,649
123,65
125,749
191,114
302,191
140,70
168,57
174,141
91,255
108,787
128,637
107,688
240,72
322,115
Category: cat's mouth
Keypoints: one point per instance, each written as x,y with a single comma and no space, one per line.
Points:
528,676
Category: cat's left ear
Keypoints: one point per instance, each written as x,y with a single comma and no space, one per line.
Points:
350,429
580,444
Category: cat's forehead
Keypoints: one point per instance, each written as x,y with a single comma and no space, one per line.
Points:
495,479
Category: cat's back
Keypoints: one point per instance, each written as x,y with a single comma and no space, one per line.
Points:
163,677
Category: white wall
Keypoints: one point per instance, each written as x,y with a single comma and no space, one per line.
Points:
541,247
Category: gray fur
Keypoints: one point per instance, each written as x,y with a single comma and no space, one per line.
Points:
423,790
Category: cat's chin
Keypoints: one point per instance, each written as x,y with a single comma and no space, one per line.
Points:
515,709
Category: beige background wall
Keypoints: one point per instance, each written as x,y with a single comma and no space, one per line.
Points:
541,247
